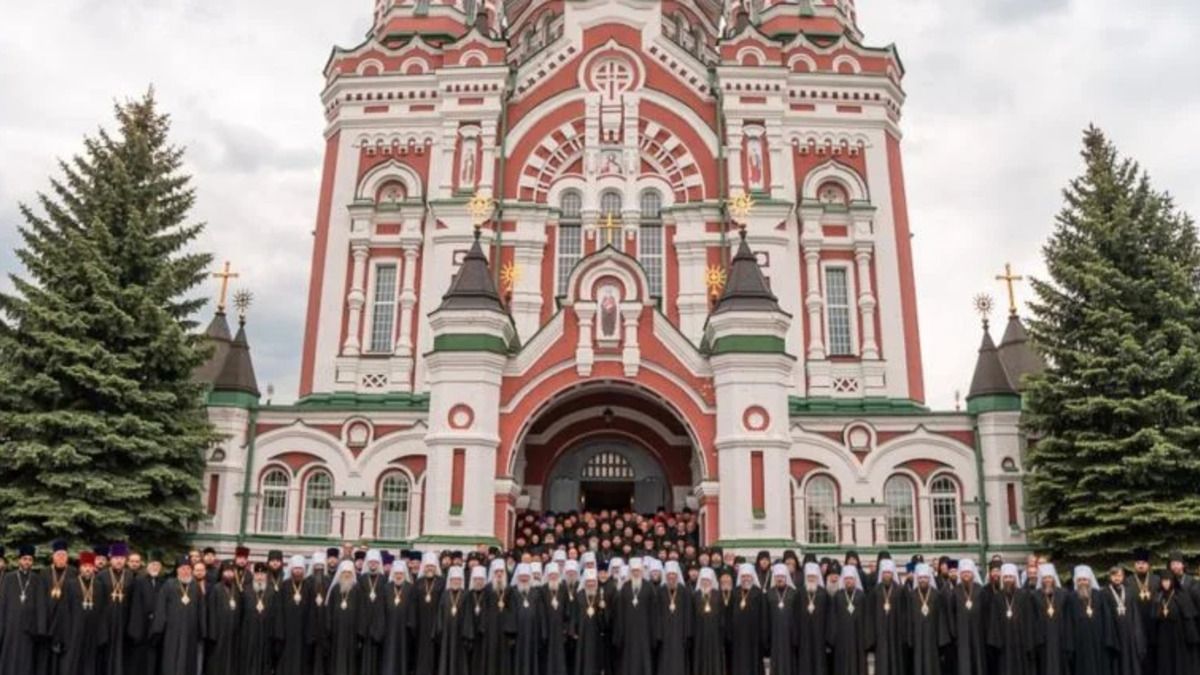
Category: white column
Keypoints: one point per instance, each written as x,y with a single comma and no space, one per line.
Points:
631,354
814,304
356,298
449,142
584,354
408,300
487,140
866,302
733,151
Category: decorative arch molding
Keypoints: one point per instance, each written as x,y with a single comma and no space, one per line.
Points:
809,62
607,262
919,445
369,184
754,51
299,439
611,50
846,60
636,464
846,140
838,172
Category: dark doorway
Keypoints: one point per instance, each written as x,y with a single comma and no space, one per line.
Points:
606,494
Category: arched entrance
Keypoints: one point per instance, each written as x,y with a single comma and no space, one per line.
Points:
606,474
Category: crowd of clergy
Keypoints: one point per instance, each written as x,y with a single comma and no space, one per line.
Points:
567,611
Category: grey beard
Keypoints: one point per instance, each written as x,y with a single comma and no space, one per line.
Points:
523,587
346,586
260,587
812,588
636,585
1084,593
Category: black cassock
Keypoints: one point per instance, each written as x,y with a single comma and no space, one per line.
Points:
341,631
1091,633
295,608
318,624
967,619
885,610
526,626
590,627
22,620
926,628
118,588
394,650
569,642
83,615
178,627
779,612
453,632
261,630
1143,590
558,620
223,605
489,649
848,632
746,631
674,629
1053,637
371,621
144,652
812,613
708,633
50,656
1128,641
1011,632
423,605
1173,633
634,629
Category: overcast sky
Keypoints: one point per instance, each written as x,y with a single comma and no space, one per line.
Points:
999,91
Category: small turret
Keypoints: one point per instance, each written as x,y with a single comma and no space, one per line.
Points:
991,388
1017,354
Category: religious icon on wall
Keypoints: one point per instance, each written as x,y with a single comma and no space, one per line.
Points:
754,158
608,299
466,178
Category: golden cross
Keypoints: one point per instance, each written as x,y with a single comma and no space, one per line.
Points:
609,226
1008,278
225,275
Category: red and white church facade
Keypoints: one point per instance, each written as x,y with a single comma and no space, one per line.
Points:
613,335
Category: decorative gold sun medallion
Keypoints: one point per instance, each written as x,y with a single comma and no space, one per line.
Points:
480,207
740,207
984,304
510,274
714,278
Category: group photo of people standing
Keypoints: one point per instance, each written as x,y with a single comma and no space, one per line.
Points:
563,604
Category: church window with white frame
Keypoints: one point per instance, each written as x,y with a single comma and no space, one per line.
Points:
900,499
944,503
317,520
820,503
383,309
570,236
395,493
610,210
650,240
837,311
275,487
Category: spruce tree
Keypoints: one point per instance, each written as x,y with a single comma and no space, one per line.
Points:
1115,419
103,433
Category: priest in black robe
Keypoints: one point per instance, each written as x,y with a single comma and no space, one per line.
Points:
320,582
1011,627
341,622
1053,639
635,631
1129,643
708,626
849,630
489,651
557,607
526,623
1091,626
116,583
454,627
396,645
925,623
179,623
674,621
59,575
223,617
23,600
144,651
967,620
1173,634
295,608
261,629
885,609
1143,584
371,613
590,627
779,612
422,613
746,619
812,613
83,616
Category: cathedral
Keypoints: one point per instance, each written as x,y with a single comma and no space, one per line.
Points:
634,254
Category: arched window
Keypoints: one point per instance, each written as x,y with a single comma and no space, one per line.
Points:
901,510
650,240
570,239
610,207
274,502
607,466
394,496
944,502
318,506
820,500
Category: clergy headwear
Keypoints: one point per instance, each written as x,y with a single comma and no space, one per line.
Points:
523,570
925,571
535,568
781,570
1047,570
360,555
636,565
26,550
456,572
887,565
588,558
183,561
228,566
100,550
1141,555
672,567
388,559
298,561
653,565
275,554
343,567
967,565
589,575
560,555
261,568
1009,570
118,550
87,558
849,572
58,545
570,566
747,570
477,572
317,561
1175,556
812,569
1085,572
241,552
430,559
707,574
552,570
333,552
375,555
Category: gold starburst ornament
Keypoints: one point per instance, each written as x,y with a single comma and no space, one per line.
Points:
714,278
510,274
480,207
740,207
984,304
